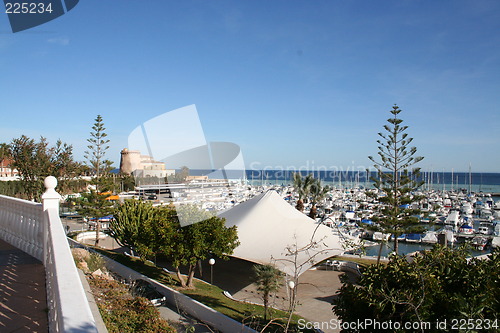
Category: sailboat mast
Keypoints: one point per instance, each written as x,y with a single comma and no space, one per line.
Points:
452,179
470,178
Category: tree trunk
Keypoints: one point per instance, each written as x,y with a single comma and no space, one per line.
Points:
200,268
293,293
180,277
312,212
191,272
266,304
396,244
379,252
97,231
300,205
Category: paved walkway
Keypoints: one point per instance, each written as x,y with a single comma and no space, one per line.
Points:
315,292
23,301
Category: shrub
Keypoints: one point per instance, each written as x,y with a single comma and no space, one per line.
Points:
121,312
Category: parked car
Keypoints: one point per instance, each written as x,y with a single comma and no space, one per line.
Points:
143,288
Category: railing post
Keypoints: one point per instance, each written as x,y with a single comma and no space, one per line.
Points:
50,200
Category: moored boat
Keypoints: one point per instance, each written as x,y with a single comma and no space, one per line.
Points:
430,237
379,236
414,238
466,229
479,242
485,228
453,219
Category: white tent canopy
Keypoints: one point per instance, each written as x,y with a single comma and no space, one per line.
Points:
268,225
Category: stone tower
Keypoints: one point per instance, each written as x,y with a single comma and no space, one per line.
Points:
130,161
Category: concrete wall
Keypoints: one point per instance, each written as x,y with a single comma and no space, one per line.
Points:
94,308
89,235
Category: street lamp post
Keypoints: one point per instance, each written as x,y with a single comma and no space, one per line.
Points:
211,262
291,285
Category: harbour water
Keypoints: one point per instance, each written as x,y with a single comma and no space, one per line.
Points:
405,248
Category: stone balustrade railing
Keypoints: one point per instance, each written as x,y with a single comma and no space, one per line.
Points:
37,230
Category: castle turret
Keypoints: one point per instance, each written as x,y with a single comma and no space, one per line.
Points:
130,161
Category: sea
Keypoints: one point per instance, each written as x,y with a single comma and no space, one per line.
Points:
468,181
475,182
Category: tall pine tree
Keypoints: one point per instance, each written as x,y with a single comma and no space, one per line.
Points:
395,179
95,204
96,153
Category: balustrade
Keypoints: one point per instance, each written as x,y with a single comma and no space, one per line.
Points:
37,230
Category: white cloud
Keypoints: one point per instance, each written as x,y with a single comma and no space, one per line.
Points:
59,40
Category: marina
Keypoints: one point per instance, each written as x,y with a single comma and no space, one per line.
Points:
450,212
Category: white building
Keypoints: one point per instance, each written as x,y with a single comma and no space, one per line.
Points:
132,162
7,172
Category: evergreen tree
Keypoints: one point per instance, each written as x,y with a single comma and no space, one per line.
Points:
199,241
96,155
100,167
4,151
94,205
183,174
131,225
437,285
394,180
64,168
37,160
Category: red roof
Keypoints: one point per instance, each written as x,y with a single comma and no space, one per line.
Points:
6,162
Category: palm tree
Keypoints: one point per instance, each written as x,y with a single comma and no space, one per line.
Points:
268,279
317,193
302,187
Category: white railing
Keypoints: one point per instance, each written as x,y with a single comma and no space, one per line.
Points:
21,225
37,230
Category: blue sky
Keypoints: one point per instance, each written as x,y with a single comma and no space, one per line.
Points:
293,83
